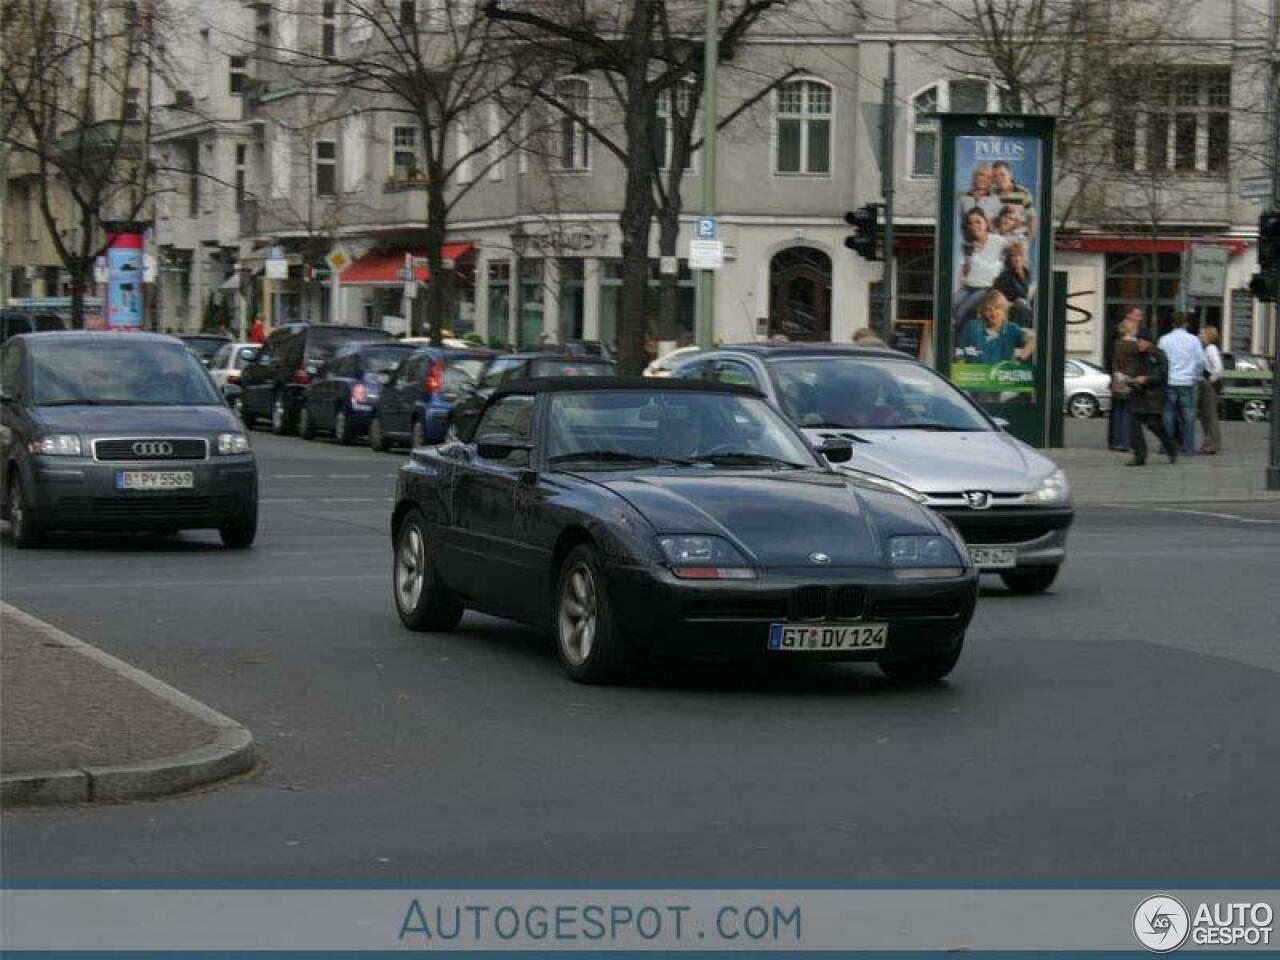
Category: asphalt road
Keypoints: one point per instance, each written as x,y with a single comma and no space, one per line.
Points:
1122,729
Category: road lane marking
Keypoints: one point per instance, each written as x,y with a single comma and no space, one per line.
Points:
1217,516
350,476
290,476
208,581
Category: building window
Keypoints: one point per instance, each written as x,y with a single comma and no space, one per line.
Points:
242,174
665,135
404,153
802,128
496,165
262,23
574,95
1181,122
193,179
969,95
238,77
463,141
408,13
326,168
329,29
131,109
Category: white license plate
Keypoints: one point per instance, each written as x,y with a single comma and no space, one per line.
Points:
811,638
155,480
994,558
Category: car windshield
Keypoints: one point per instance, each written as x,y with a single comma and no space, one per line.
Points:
466,369
871,393
570,368
384,359
115,369
605,429
322,342
1247,361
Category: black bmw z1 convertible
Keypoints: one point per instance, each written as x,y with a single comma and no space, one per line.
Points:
675,518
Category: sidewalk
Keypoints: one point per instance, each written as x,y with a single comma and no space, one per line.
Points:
78,725
1099,476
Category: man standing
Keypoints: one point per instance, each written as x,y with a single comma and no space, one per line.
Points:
1147,401
1186,368
1211,390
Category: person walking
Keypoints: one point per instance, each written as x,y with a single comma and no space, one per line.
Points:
1185,353
1147,400
1124,363
1211,390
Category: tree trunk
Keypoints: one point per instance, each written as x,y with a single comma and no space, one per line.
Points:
437,282
77,299
669,291
636,223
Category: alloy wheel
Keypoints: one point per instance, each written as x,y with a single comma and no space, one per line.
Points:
411,562
17,510
578,614
1083,406
1255,411
340,426
277,415
419,435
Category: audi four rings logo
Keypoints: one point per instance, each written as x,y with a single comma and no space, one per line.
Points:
978,499
819,558
153,448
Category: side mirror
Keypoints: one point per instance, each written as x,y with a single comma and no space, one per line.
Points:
1001,422
499,446
231,393
837,451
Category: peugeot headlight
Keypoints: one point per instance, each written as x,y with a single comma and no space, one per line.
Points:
229,443
884,485
705,558
1052,489
56,445
917,557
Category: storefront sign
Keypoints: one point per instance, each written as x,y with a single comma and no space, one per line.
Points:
706,254
1207,271
570,239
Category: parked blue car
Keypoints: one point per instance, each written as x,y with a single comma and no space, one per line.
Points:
418,397
343,398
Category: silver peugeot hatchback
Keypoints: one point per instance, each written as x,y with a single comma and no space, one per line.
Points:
915,433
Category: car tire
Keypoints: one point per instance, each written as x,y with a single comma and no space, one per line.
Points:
587,639
922,669
422,601
1029,579
241,533
250,420
417,436
377,438
1254,411
342,431
306,423
22,528
1083,406
284,422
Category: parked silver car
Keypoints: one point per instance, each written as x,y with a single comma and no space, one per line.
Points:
1087,389
916,434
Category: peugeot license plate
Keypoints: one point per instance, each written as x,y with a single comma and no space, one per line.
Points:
808,638
994,558
155,480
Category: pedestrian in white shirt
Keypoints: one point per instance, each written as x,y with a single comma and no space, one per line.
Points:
1211,390
1186,370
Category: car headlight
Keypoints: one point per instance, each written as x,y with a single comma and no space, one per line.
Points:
884,485
705,558
229,443
56,445
921,556
1053,489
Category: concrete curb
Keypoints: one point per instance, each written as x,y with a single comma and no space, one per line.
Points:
231,752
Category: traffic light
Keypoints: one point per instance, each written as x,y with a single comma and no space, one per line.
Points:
1265,285
866,231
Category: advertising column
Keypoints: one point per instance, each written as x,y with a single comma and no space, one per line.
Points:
123,305
995,250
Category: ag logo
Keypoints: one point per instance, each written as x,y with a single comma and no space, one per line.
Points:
978,499
1161,924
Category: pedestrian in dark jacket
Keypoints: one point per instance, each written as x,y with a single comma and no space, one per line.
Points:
1147,400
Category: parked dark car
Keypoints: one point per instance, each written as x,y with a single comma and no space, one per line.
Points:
343,399
14,322
107,432
633,516
204,345
417,402
274,385
506,367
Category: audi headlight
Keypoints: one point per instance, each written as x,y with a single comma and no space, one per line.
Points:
921,556
229,443
705,558
56,445
884,485
1052,489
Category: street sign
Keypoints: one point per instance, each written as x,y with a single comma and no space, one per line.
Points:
706,228
148,268
669,267
1207,271
410,290
338,259
706,254
277,269
1255,187
100,272
277,253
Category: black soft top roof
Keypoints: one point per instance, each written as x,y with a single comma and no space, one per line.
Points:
647,384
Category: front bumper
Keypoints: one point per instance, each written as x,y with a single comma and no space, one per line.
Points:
1038,533
730,619
79,493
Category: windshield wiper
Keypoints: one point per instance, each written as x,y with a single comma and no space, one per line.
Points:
937,427
75,402
743,458
604,456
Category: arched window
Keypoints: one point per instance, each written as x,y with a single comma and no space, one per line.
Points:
802,128
800,294
945,96
574,146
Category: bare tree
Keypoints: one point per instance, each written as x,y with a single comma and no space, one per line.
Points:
644,50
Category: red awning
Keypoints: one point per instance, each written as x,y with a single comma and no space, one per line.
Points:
382,268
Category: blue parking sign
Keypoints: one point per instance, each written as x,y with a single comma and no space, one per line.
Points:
706,228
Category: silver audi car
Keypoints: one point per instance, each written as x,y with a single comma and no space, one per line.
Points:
915,433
